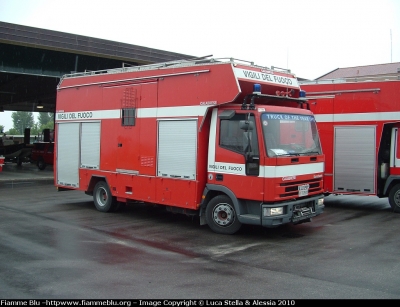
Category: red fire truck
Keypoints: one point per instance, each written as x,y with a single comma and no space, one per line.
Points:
358,124
226,140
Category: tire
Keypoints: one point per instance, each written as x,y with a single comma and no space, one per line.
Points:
103,200
394,198
41,164
221,215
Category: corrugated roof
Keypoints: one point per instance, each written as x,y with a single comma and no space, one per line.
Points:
363,71
79,44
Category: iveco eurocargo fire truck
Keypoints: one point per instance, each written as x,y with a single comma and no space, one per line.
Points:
229,141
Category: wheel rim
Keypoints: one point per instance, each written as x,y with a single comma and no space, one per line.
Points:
224,215
101,197
396,198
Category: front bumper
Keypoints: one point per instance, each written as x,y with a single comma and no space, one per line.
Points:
295,212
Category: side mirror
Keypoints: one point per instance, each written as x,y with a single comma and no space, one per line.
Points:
246,125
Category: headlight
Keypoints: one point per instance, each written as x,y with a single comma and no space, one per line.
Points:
320,202
273,211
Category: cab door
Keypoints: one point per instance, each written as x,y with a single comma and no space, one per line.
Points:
235,161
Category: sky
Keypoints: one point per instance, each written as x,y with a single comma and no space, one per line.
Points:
309,37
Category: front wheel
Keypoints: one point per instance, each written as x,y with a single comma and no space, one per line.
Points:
221,215
103,200
394,198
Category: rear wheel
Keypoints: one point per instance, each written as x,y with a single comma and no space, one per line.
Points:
221,215
41,164
103,199
394,198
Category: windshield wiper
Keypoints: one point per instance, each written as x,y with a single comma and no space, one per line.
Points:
288,154
310,153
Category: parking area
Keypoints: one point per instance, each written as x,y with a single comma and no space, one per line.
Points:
57,245
12,173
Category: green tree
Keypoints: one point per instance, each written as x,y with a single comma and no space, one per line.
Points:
13,131
46,118
49,125
46,121
2,129
22,120
35,130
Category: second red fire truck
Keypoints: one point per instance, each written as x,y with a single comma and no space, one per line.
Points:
226,140
359,124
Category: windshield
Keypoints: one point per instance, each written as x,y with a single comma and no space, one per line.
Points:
290,134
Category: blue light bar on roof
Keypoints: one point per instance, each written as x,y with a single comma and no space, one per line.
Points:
257,88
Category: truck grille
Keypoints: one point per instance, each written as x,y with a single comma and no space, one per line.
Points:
291,189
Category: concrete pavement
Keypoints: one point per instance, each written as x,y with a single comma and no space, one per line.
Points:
11,172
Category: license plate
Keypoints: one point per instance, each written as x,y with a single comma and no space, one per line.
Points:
303,189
